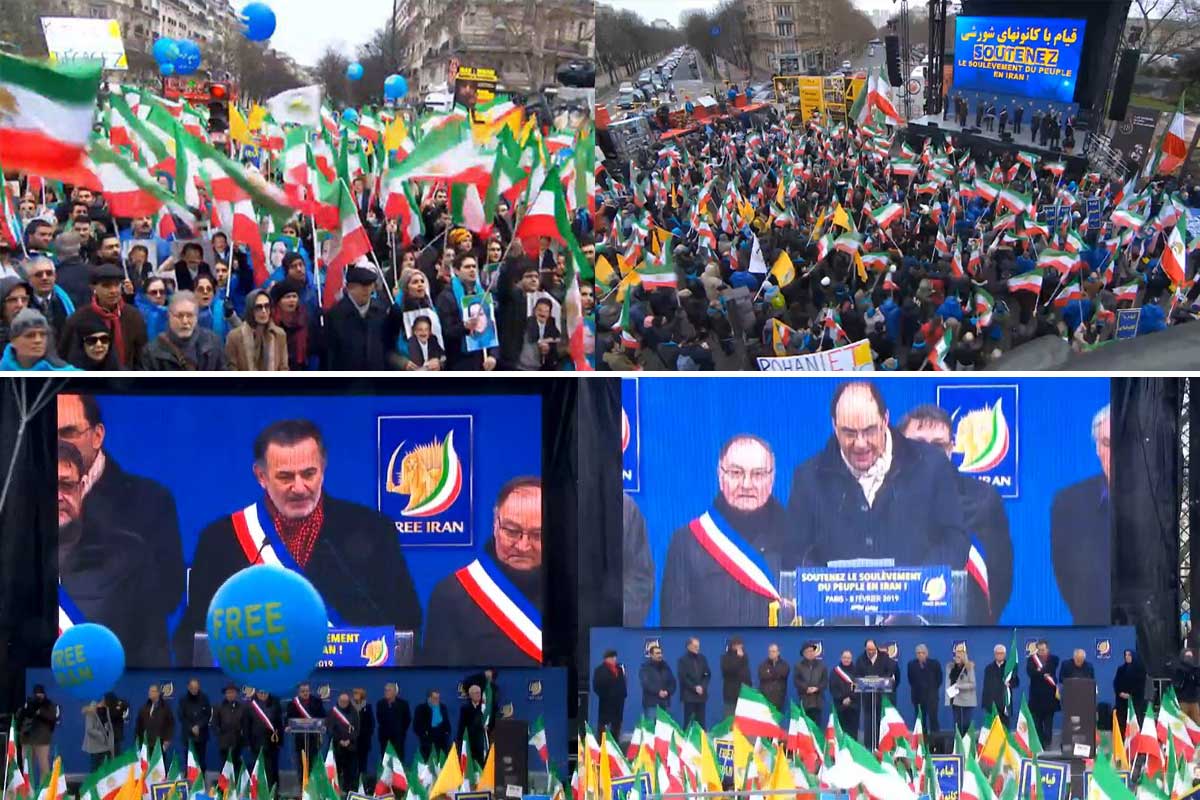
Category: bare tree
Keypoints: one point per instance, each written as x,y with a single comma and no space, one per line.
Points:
1169,27
330,71
20,28
626,44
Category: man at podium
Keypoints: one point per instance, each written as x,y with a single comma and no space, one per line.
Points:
305,705
1077,667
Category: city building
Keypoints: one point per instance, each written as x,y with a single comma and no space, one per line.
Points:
661,24
525,41
789,36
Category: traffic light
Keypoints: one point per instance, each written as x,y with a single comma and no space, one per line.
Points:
218,108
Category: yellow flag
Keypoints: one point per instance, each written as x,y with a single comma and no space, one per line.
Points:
632,279
861,267
592,778
605,766
779,193
55,774
746,211
742,752
841,218
820,222
487,778
783,270
239,131
1120,759
710,773
450,778
997,738
131,789
781,776
604,271
394,134
654,243
258,115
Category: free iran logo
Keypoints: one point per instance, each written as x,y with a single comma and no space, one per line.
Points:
984,423
425,483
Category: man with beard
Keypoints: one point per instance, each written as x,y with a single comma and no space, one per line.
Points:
984,515
722,567
1081,535
494,604
871,493
125,532
346,550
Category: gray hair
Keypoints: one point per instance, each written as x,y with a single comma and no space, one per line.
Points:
921,648
1101,420
182,297
999,648
38,261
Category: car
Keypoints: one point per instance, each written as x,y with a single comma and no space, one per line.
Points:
579,73
625,100
626,86
847,66
875,42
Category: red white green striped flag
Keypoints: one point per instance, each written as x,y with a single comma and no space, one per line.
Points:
1014,200
1127,218
885,216
1069,293
625,325
941,346
659,273
129,190
352,244
984,305
986,189
1128,291
1060,260
46,116
755,716
1174,255
1028,282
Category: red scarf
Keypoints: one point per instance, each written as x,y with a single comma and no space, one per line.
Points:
611,668
299,535
295,325
112,321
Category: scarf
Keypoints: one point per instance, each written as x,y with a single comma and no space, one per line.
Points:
188,349
435,717
295,325
112,321
259,347
299,535
611,668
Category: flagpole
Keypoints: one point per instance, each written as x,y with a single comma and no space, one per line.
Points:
316,258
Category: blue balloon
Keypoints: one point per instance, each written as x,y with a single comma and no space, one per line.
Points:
716,30
166,69
266,627
189,57
165,50
355,71
87,661
350,116
259,21
395,87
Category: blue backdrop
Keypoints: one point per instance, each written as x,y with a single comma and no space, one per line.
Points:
1030,56
217,433
630,645
682,423
516,687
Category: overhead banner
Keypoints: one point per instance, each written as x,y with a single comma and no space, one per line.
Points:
1133,137
73,40
1029,56
847,358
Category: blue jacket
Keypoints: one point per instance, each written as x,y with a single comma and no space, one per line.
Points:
891,316
744,278
154,315
214,318
1076,312
9,363
951,309
1152,319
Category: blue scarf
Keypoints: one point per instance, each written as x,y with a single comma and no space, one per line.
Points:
436,718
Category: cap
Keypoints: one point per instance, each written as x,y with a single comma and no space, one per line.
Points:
284,288
361,275
107,272
27,319
808,644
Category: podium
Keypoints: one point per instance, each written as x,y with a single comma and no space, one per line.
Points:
304,731
870,688
1078,696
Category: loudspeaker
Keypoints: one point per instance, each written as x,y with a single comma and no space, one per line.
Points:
1123,86
1006,137
891,44
511,740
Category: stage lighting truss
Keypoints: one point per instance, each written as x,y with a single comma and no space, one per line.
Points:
1185,513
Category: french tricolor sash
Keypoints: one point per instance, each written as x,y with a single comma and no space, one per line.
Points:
337,712
735,556
261,543
503,604
69,614
300,707
841,673
1037,662
262,714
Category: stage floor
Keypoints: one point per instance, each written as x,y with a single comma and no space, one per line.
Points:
1022,141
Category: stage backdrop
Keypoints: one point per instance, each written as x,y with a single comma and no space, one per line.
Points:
1104,648
448,457
524,694
1023,449
1029,56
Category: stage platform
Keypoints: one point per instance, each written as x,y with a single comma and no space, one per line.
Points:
933,126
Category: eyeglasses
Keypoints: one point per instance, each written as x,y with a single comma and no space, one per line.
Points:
96,339
738,475
262,306
514,533
204,290
72,432
68,486
850,434
156,292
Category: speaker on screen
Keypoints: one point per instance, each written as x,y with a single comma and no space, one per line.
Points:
512,753
891,45
1123,86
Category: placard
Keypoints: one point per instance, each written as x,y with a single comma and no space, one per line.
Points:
83,39
854,357
1127,322
1054,777
949,770
824,592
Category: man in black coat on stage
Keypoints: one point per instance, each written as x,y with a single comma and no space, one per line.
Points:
305,705
611,688
265,720
128,534
994,694
459,628
345,549
195,715
1041,667
924,681
1077,667
694,676
876,663
343,735
232,726
431,724
472,733
392,720
744,518
983,515
1081,536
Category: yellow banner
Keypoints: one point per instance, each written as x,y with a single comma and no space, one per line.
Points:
811,95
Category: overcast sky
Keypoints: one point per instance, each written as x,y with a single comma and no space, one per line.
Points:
670,10
304,27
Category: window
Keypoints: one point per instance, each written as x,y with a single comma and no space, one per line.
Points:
783,12
785,29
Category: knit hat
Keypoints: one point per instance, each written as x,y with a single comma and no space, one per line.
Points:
284,288
26,320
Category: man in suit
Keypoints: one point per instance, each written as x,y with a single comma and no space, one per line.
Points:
611,688
265,720
343,733
1081,535
189,267
984,516
924,680
305,705
364,732
424,349
392,718
343,548
994,693
460,625
195,715
472,733
694,675
811,680
658,682
1042,667
364,204
1018,115
128,534
431,724
230,719
876,663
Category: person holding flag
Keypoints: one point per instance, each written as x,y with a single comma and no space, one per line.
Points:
999,680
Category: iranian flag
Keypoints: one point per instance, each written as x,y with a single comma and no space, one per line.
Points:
369,127
448,154
941,346
537,738
755,716
1060,260
129,190
1072,292
156,770
193,765
1172,148
46,116
1014,200
886,216
904,167
391,773
1174,255
984,304
854,766
1128,291
860,111
331,769
986,189
400,204
296,173
106,782
466,209
876,261
1127,218
1026,734
975,785
659,273
353,243
241,222
625,326
227,778
1028,282
803,737
15,782
539,219
892,728
1106,784
881,95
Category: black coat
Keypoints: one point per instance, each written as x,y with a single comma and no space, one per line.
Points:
839,689
458,630
916,518
611,691
655,676
696,590
366,727
439,737
258,732
454,334
924,682
984,515
346,730
1185,678
414,350
130,534
155,723
773,682
993,687
735,673
231,724
1131,679
392,722
1081,523
472,733
806,674
693,671
354,343
37,719
1041,693
195,712
160,356
313,705
1068,670
356,552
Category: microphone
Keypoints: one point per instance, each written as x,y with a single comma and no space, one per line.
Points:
258,559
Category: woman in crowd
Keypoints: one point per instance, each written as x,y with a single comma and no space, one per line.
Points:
257,344
291,315
92,348
151,301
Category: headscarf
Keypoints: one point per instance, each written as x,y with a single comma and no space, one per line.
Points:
77,353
